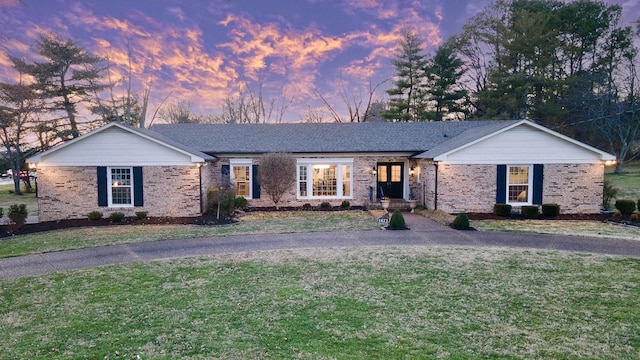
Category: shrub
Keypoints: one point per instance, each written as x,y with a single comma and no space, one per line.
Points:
634,217
18,214
325,205
551,210
397,221
141,215
617,214
1,213
94,215
307,206
221,202
461,222
502,210
609,193
626,207
241,203
529,211
116,217
345,205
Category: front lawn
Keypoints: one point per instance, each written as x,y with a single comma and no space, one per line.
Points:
252,223
380,302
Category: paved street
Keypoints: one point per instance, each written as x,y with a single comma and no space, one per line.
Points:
424,232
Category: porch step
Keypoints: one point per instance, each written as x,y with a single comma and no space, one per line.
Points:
395,204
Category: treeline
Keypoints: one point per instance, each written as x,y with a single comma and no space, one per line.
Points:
571,66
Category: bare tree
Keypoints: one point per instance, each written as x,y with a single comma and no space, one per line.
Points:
178,112
314,115
358,106
277,175
250,107
19,103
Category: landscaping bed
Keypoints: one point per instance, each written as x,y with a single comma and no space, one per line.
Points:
10,230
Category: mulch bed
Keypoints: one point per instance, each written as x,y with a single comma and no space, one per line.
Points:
489,216
10,230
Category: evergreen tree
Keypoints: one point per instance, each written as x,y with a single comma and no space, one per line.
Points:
67,77
406,96
444,95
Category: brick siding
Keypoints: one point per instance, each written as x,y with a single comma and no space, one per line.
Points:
72,192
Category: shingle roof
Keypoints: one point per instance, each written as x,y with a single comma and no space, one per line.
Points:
414,137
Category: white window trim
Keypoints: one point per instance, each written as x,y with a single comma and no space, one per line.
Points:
529,189
242,162
110,187
309,163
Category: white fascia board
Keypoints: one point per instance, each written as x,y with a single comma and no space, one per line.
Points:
37,158
604,156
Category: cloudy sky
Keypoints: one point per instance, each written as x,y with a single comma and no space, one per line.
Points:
203,51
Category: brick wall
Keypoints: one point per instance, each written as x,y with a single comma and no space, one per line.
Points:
577,188
466,188
71,192
362,180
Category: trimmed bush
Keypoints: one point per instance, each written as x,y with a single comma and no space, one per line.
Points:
461,222
550,210
502,210
241,203
617,214
307,206
626,207
529,211
325,205
141,215
221,202
116,217
1,212
94,215
18,214
345,205
397,221
634,217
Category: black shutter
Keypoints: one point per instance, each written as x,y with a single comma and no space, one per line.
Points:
138,197
102,186
501,185
538,178
255,183
225,172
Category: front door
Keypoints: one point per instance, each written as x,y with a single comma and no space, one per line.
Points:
390,179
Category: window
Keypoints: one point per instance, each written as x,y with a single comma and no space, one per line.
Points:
519,184
121,187
241,175
325,178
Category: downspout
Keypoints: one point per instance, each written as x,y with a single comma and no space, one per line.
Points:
200,181
435,191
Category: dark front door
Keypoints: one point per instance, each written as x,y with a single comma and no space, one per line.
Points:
390,179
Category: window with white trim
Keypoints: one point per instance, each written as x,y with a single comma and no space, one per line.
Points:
325,178
120,191
241,177
519,184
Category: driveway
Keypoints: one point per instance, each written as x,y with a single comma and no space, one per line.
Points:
424,232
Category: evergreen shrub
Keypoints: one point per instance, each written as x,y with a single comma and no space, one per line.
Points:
397,221
461,222
529,211
502,210
550,210
626,207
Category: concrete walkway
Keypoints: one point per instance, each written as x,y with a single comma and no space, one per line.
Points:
424,232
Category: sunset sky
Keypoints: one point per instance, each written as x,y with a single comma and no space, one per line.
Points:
203,51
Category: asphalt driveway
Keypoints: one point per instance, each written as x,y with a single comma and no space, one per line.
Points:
424,232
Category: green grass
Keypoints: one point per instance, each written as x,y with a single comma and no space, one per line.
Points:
7,198
628,182
381,302
253,223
